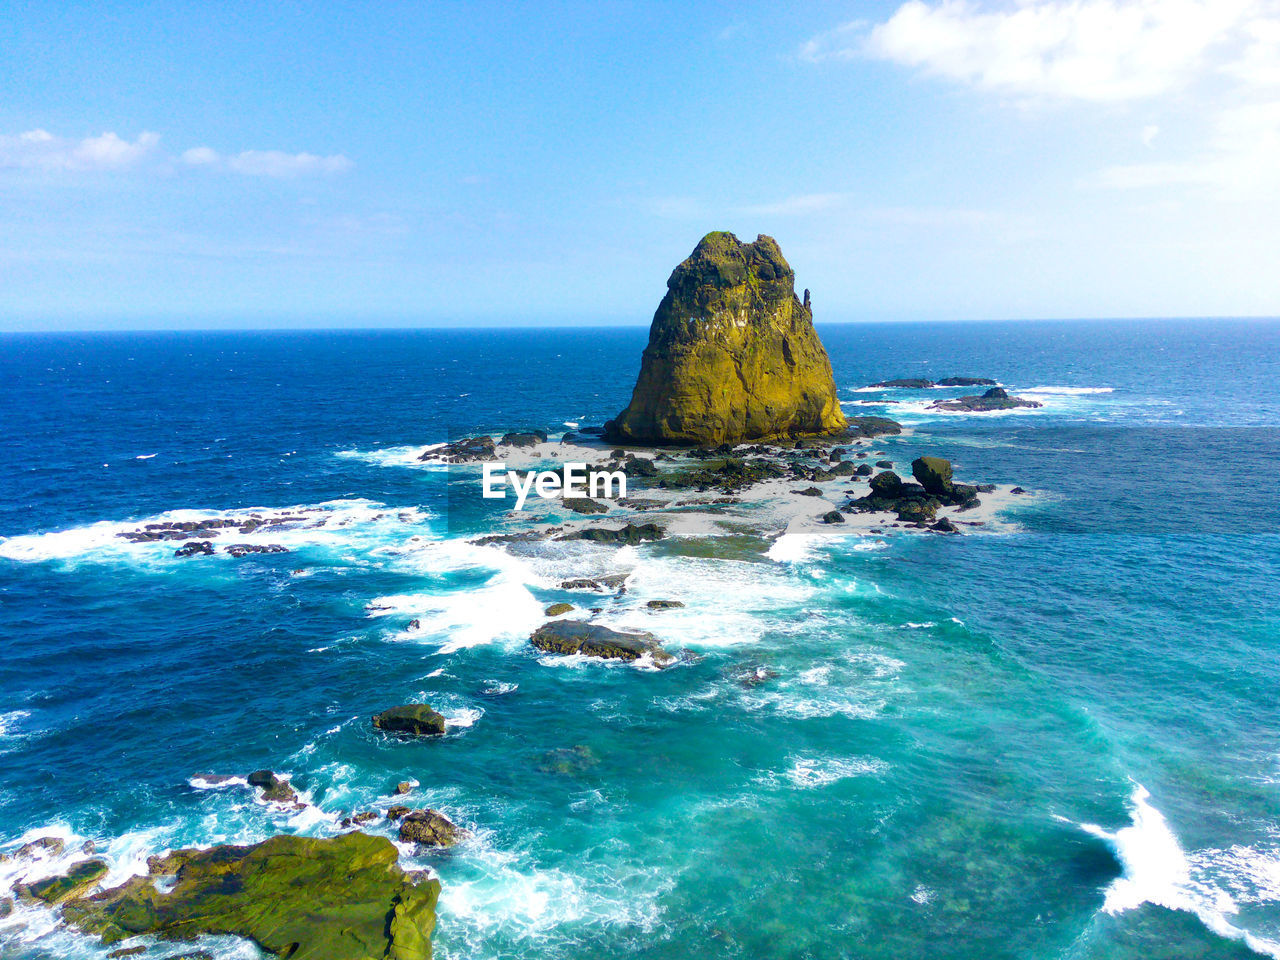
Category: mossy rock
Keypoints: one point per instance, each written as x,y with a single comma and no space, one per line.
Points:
886,485
933,473
593,640
558,608
343,898
77,881
430,828
732,354
413,719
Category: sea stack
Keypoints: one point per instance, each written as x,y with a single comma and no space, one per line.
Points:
732,354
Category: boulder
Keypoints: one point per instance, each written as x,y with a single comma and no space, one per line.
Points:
412,719
664,604
833,516
463,451
886,485
884,464
944,525
306,898
430,828
558,608
933,473
195,548
43,847
593,640
864,470
732,354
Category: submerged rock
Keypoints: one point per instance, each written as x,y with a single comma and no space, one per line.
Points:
343,898
413,719
558,608
593,640
732,354
664,604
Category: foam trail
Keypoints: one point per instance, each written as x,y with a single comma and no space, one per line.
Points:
1158,871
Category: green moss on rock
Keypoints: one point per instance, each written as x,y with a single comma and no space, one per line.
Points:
344,898
80,879
732,354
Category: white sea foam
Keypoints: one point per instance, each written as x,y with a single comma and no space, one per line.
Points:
145,456
1066,391
396,456
1157,870
807,772
334,525
795,547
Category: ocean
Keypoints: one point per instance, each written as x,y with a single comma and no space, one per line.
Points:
1056,738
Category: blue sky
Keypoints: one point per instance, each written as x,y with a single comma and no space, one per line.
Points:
198,165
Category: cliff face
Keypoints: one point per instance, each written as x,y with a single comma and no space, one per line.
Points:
732,354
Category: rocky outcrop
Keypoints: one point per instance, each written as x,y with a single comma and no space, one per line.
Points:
997,398
918,503
630,534
344,898
732,354
932,473
411,719
593,640
274,789
76,882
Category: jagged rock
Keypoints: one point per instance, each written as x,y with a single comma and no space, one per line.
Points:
431,828
1017,490
732,354
358,818
43,847
833,516
195,548
871,427
403,787
242,549
273,788
630,534
917,511
397,812
342,898
584,505
462,451
558,608
933,473
413,719
944,525
809,492
593,640
664,604
126,952
994,399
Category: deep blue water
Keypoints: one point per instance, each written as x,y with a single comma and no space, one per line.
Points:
1058,741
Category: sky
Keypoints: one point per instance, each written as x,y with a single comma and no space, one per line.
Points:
197,165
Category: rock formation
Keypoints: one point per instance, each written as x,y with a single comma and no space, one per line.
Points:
732,354
344,898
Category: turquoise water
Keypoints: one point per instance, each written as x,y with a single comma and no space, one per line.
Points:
1059,741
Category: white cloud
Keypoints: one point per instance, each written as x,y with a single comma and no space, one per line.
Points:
200,156
267,163
1242,159
274,163
800,205
41,150
1093,50
1149,134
